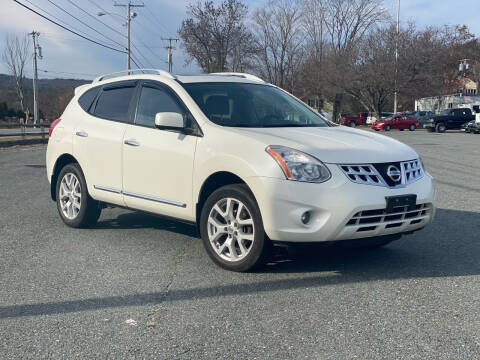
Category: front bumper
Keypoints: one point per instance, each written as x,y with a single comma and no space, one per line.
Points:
336,207
428,124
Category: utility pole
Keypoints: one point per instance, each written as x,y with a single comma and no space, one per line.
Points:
130,16
396,59
169,47
37,52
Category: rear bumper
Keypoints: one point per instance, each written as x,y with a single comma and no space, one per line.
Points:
333,206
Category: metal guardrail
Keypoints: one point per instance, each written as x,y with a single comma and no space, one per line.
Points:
13,126
23,130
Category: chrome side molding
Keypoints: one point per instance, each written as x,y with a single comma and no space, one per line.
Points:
154,198
140,196
106,188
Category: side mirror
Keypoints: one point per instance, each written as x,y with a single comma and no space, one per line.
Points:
169,121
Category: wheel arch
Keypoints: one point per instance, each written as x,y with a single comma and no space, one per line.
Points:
62,160
212,183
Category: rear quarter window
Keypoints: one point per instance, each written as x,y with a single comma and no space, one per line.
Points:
86,100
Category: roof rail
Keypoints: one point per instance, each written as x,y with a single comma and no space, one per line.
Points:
242,75
133,72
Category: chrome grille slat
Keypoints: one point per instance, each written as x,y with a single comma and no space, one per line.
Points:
356,172
422,207
411,171
423,211
367,174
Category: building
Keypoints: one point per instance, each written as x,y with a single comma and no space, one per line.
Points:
468,95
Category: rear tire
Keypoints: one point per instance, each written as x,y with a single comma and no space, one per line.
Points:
234,240
353,124
75,206
440,128
412,127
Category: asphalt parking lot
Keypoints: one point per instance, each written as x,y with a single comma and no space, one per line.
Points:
137,286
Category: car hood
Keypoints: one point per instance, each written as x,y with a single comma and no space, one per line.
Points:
336,145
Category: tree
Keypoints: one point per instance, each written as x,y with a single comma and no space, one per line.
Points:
216,37
279,41
15,55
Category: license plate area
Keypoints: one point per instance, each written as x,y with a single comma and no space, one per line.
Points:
393,202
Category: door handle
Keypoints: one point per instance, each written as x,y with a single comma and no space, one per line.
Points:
81,133
131,143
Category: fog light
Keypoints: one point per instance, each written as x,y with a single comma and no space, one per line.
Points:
306,217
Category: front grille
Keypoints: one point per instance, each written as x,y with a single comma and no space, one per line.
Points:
371,220
381,174
411,171
363,174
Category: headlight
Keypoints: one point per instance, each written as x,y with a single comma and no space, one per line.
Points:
297,165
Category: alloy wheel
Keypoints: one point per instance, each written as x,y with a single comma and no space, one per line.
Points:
231,229
70,196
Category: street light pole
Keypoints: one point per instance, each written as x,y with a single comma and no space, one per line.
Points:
396,59
129,18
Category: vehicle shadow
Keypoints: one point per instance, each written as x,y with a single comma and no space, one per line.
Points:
450,247
139,220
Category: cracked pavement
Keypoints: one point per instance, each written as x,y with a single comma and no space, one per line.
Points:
137,286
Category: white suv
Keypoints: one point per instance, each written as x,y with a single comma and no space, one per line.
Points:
246,161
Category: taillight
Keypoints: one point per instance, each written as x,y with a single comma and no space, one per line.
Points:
52,126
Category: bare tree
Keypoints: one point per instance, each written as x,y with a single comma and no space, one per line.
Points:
216,36
279,41
15,55
346,23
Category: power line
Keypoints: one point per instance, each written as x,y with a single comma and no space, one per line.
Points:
65,28
61,21
65,72
93,17
84,23
157,21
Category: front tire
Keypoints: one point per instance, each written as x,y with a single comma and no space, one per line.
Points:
412,127
231,228
440,128
353,124
75,206
387,127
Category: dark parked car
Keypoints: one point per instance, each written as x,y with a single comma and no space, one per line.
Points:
449,119
422,116
471,127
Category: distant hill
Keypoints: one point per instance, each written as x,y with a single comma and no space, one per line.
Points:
54,94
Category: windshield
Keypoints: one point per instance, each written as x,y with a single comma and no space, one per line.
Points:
252,105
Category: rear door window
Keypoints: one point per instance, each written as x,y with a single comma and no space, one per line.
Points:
114,102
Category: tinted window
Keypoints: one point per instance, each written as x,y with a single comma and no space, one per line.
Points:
87,98
251,105
113,103
152,101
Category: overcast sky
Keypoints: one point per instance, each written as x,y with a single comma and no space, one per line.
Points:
64,52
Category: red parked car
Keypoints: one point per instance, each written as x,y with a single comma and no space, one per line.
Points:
400,122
